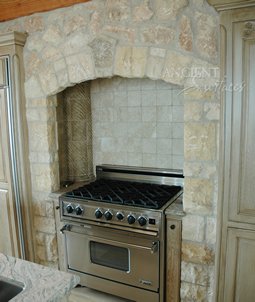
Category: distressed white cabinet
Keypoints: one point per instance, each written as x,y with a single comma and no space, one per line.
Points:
15,189
236,261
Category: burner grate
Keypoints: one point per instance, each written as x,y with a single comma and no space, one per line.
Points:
136,194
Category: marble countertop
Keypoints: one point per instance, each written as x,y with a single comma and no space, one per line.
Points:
41,283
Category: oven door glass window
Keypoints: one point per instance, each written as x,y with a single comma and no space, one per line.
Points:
109,255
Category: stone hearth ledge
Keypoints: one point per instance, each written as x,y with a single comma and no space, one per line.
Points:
41,283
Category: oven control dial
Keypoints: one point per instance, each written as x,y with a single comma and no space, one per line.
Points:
99,213
69,208
78,210
120,216
142,220
108,215
131,219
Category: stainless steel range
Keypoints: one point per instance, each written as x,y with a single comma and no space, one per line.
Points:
115,230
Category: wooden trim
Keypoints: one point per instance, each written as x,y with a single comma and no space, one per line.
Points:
12,9
220,5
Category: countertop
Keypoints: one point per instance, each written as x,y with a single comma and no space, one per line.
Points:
176,208
41,283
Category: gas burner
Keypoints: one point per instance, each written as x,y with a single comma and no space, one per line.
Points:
137,194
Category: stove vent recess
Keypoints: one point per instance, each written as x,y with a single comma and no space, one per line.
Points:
77,156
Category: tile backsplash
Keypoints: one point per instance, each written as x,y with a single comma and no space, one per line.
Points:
137,122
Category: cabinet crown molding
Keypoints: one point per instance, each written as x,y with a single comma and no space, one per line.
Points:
220,5
12,38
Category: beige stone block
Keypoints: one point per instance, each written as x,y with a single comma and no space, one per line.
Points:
45,177
49,209
194,273
52,35
135,159
192,292
131,61
193,228
158,52
149,160
211,230
103,54
51,248
13,26
51,54
42,136
33,88
192,169
33,157
96,21
154,70
157,34
128,34
193,111
42,102
143,13
40,238
32,114
77,22
39,204
75,44
198,94
40,251
210,171
44,224
33,64
47,114
199,141
169,10
117,11
80,68
33,24
186,34
48,81
34,43
175,66
197,253
198,195
206,40
202,75
59,65
63,80
212,111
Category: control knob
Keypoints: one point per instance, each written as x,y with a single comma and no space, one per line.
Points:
142,220
78,210
98,213
108,215
69,209
131,219
120,216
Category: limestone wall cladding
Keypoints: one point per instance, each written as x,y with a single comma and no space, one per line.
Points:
157,39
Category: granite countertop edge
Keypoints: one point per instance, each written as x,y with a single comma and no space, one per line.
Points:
41,283
176,208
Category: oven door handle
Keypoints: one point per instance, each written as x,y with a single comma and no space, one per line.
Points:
153,249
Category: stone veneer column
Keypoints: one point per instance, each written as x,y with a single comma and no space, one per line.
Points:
44,165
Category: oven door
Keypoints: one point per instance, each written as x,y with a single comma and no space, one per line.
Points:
113,256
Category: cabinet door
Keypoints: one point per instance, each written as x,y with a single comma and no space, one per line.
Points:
240,266
9,240
242,188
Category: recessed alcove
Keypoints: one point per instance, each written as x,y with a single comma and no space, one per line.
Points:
135,122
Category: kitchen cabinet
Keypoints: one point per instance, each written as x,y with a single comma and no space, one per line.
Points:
236,211
15,190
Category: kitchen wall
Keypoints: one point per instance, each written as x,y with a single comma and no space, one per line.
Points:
174,42
137,122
